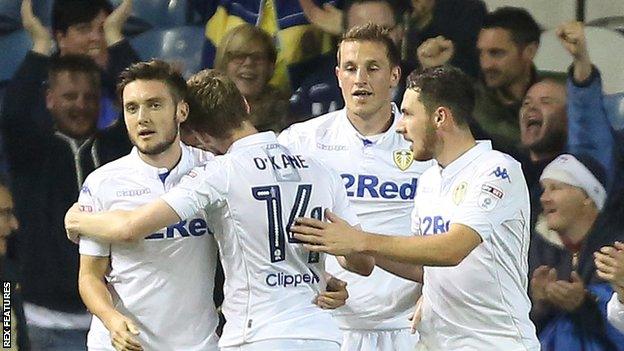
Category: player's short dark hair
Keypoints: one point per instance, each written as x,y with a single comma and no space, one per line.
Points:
154,70
74,64
445,86
216,106
518,21
66,13
375,33
398,8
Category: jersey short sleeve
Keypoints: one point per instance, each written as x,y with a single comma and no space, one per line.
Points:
489,201
89,203
202,187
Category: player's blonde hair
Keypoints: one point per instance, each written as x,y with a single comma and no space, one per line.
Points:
216,106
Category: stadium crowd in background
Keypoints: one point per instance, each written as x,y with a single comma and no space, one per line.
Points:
337,100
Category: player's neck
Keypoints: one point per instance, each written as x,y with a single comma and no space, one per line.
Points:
166,159
454,147
246,129
374,124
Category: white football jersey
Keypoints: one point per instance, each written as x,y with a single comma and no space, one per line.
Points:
615,312
253,193
381,177
164,282
482,303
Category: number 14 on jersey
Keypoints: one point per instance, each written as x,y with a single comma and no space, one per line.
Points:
271,194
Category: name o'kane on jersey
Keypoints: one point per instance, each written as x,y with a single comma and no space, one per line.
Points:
252,195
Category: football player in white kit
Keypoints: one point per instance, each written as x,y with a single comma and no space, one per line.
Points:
251,194
381,176
147,278
470,221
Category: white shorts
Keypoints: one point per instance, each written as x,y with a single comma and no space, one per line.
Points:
286,345
378,340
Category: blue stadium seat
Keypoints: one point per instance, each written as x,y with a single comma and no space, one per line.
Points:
13,47
179,45
614,105
11,20
148,14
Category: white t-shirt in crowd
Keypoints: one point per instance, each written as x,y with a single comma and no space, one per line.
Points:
615,312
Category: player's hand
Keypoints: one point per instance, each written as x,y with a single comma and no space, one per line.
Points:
328,18
335,237
114,22
567,295
71,223
417,316
542,277
335,294
123,333
435,52
610,263
40,35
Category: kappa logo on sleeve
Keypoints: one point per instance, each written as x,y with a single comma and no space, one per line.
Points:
489,197
85,189
501,173
86,208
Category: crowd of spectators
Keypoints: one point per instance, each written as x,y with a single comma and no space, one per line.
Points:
59,121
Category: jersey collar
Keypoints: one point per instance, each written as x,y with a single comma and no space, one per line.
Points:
388,134
157,172
464,160
254,139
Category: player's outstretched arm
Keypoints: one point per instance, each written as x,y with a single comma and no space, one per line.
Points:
355,262
98,300
361,264
341,239
118,225
413,272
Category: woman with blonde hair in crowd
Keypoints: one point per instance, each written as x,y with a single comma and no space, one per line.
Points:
247,55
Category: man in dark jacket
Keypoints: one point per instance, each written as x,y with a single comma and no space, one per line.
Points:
49,156
9,273
51,146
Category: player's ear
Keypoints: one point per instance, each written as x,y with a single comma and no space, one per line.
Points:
182,111
439,116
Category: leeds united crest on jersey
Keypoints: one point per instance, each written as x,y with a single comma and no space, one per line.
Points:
403,158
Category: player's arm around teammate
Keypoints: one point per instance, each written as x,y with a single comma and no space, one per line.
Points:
127,226
339,238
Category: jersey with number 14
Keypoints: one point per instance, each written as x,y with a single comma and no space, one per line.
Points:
252,194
